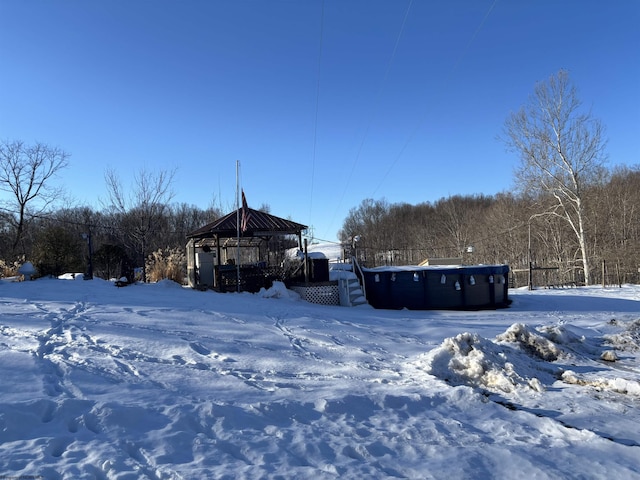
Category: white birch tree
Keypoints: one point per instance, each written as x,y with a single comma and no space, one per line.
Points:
562,151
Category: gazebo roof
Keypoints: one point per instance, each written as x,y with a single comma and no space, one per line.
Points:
259,224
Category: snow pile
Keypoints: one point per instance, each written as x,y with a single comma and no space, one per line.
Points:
523,358
625,339
531,342
617,384
71,276
27,270
468,359
336,274
628,339
329,250
166,283
278,290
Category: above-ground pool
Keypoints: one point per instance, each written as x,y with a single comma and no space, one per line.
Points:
425,288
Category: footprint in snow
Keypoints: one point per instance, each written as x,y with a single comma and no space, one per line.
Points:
199,348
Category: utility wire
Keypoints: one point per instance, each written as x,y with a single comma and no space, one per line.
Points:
373,111
315,123
447,80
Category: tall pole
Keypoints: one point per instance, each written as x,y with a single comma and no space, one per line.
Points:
238,225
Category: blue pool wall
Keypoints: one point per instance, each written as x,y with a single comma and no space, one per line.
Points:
427,288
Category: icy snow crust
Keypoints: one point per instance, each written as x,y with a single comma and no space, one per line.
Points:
162,382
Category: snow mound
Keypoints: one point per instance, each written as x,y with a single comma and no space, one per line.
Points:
277,290
296,253
626,340
617,384
336,274
559,334
522,359
532,342
71,276
468,359
166,283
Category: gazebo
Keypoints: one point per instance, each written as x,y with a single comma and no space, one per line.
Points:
241,251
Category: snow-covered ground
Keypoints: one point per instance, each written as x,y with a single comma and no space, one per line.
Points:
163,382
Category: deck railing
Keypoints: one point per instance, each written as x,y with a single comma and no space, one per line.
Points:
358,271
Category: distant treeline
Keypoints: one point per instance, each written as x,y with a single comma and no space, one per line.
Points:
477,229
508,228
58,242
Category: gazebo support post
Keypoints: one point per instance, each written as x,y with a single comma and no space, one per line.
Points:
217,279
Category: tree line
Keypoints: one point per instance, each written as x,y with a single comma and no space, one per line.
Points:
59,241
488,229
132,229
511,228
570,217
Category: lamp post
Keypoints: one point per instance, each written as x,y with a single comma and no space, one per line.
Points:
469,253
354,245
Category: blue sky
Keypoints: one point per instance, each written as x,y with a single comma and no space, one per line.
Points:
323,104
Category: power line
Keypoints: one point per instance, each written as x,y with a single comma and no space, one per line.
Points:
447,80
373,111
315,124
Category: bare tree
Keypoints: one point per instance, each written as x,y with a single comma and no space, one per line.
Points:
615,220
561,152
143,208
455,223
26,172
366,223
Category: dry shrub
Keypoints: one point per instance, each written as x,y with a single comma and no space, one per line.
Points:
8,269
170,263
